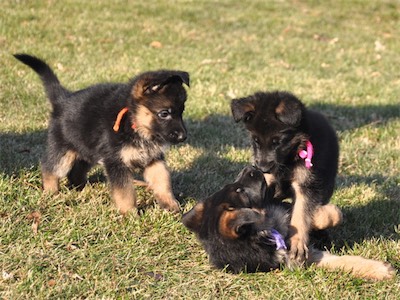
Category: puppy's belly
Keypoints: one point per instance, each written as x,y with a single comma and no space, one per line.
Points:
281,188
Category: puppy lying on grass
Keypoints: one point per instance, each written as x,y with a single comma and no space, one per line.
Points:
242,230
297,150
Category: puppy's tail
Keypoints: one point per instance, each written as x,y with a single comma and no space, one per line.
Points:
355,265
52,85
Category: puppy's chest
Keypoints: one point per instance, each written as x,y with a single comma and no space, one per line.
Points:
281,186
141,154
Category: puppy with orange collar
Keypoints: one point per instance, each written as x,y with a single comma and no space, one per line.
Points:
122,126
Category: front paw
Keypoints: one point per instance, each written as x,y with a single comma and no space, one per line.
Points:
298,250
169,203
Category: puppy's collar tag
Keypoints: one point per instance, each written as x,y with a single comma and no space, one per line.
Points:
307,154
120,115
277,238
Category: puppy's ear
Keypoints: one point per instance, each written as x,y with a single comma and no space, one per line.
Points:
153,82
178,76
236,223
289,110
194,217
243,109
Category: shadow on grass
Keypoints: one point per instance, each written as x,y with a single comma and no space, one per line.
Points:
20,151
216,135
213,133
211,171
345,118
377,218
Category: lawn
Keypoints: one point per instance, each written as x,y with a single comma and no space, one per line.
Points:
340,57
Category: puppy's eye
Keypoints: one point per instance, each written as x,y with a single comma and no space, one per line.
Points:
275,141
239,190
164,114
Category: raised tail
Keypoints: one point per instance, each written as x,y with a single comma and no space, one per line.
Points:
52,85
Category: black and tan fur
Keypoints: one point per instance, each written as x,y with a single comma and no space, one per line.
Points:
81,133
280,125
235,227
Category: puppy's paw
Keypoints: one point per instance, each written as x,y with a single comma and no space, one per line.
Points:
386,271
298,250
169,203
129,212
375,270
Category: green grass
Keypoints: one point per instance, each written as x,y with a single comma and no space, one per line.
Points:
341,57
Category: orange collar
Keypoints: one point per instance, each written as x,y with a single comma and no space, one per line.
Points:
120,115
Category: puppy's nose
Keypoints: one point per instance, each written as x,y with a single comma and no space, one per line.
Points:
252,172
180,136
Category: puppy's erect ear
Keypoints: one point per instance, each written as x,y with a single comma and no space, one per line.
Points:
177,76
194,217
153,82
238,222
289,110
243,109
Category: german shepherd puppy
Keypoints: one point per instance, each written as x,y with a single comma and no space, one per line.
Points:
297,150
243,230
122,126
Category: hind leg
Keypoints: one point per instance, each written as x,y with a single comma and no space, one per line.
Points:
329,215
55,165
77,176
356,265
326,216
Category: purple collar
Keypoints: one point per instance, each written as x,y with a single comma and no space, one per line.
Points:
277,238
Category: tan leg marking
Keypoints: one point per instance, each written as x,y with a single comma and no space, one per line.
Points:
65,164
50,182
124,198
327,216
158,179
140,183
269,178
299,226
356,265
51,179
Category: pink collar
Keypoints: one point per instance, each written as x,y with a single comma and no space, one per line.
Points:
307,154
